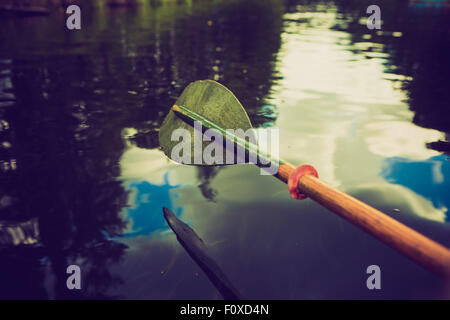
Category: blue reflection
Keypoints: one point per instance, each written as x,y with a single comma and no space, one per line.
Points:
428,178
427,3
146,217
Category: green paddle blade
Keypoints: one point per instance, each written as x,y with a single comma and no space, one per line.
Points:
214,103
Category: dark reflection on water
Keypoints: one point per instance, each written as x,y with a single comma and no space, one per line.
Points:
79,118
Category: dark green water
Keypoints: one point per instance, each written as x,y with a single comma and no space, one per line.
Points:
79,119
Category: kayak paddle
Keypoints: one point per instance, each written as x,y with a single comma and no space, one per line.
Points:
216,108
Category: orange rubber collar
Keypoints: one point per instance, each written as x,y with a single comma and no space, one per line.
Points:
295,176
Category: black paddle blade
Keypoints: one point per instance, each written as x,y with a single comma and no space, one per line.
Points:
214,102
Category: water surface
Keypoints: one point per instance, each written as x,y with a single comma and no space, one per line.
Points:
79,119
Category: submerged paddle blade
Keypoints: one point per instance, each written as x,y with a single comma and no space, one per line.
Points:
181,142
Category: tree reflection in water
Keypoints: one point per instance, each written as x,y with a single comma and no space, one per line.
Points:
65,98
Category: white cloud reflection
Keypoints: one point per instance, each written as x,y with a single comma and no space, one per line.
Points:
341,112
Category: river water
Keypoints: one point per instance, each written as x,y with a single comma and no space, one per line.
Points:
79,154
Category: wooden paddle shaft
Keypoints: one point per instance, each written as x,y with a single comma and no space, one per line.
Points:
412,244
405,240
